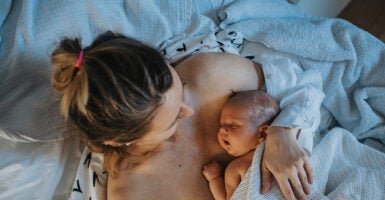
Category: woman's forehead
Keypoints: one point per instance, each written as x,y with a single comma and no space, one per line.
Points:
171,103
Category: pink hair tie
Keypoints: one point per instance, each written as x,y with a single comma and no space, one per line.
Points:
80,59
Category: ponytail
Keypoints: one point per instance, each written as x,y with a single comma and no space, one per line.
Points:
69,79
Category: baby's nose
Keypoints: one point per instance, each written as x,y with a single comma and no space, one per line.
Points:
222,130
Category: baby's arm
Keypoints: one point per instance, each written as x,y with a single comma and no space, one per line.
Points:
233,176
213,174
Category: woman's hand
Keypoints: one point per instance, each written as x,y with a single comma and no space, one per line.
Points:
285,159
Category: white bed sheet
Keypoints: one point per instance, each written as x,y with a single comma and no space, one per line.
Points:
39,170
36,162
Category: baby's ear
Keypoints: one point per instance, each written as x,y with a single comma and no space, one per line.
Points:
262,132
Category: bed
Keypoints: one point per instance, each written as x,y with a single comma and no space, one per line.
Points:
43,158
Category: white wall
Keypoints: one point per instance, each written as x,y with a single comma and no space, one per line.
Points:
328,8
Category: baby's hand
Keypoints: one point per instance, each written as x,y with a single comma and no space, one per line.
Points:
212,170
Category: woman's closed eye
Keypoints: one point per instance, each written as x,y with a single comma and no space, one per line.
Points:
173,124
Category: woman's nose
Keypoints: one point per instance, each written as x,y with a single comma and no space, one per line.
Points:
186,111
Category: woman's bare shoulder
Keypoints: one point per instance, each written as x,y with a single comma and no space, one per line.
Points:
219,70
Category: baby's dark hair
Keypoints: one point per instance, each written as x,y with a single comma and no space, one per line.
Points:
262,107
114,94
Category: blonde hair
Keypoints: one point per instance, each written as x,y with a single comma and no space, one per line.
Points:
113,95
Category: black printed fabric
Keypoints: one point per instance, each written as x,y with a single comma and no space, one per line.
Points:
91,179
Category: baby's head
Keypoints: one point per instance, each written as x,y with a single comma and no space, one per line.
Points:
244,119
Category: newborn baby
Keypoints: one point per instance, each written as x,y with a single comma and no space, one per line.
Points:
243,123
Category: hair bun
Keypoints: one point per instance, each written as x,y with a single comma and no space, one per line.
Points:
67,79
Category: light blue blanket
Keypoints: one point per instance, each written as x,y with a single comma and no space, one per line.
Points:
29,110
30,30
352,65
343,168
352,61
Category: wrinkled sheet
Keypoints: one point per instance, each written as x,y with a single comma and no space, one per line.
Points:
40,154
30,30
352,66
343,169
42,170
350,60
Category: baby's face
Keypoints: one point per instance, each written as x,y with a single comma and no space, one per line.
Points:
237,135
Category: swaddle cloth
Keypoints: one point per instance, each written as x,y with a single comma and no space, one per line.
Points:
343,168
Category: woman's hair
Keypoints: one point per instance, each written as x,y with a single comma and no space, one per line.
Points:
114,94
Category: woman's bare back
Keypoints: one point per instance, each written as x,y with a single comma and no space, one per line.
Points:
175,172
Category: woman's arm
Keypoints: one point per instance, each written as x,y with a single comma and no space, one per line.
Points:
285,159
300,95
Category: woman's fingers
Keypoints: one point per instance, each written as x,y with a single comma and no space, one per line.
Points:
294,183
286,188
309,170
304,178
285,159
266,179
298,188
304,181
306,175
293,187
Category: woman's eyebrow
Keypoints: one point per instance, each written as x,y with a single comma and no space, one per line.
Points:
175,120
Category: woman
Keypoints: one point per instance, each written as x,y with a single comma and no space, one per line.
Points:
133,107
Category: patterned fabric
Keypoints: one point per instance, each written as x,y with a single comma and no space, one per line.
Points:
222,41
91,179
